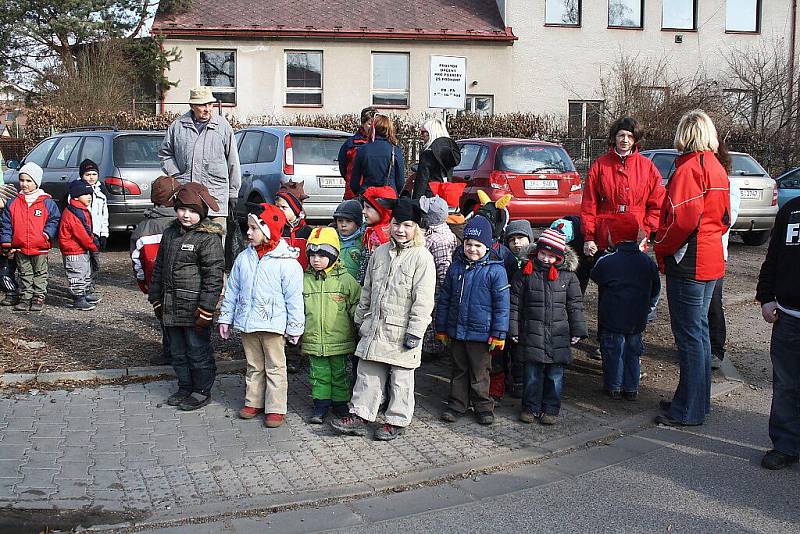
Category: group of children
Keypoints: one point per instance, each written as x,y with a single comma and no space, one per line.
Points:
31,221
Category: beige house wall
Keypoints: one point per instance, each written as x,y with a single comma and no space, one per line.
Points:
346,76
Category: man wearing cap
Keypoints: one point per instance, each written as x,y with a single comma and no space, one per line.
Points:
199,147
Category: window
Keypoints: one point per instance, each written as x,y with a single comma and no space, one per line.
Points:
529,159
92,149
472,156
137,151
665,163
218,71
743,16
62,152
740,105
562,12
248,150
480,105
304,78
316,150
625,13
390,79
584,117
39,154
679,15
268,149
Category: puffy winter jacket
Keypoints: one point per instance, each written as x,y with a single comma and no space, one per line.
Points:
265,295
614,185
188,271
777,280
397,299
347,154
75,235
545,314
30,228
371,166
474,300
350,253
331,298
696,213
145,242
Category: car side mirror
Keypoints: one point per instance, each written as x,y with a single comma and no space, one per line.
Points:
13,164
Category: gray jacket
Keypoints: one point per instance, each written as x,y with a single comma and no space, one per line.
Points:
210,158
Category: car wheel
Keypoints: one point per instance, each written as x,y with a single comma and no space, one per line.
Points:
755,238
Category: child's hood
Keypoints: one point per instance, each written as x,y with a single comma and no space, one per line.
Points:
282,250
206,226
570,262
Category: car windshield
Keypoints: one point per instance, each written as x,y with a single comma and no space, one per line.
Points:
316,150
137,151
744,165
527,159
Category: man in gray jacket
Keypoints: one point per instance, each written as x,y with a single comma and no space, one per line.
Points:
199,147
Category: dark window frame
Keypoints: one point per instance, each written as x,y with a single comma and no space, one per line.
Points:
215,89
373,90
301,91
671,29
759,6
613,27
563,24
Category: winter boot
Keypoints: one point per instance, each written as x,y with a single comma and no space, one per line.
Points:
194,401
351,425
321,408
23,306
37,304
9,300
80,303
388,432
92,298
177,398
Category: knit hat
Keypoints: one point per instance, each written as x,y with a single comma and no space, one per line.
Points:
351,210
519,227
86,166
162,191
435,209
78,188
195,196
405,209
623,227
480,229
294,203
552,240
325,242
372,194
565,227
34,171
269,218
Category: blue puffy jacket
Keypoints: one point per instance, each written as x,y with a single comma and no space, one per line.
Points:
474,299
371,166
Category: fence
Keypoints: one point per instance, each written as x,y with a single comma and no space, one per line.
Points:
12,148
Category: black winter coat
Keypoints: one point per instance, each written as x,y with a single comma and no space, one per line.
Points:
546,314
188,271
435,164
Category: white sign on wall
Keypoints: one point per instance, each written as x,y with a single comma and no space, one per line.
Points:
447,88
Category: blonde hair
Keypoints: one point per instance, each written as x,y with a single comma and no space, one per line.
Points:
436,129
696,132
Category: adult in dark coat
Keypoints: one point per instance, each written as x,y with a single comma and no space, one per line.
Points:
440,155
379,162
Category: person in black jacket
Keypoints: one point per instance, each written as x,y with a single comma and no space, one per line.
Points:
380,162
440,155
629,285
778,291
185,289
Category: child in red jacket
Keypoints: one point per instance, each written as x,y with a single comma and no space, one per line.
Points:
296,231
76,241
376,217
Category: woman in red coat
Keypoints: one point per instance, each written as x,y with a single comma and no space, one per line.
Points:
620,181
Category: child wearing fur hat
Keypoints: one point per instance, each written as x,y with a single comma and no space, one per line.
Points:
546,318
376,218
349,220
90,173
296,231
77,241
331,295
392,315
185,289
472,315
264,302
29,225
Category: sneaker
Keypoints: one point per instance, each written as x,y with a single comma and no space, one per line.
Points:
194,401
351,425
547,419
273,420
450,416
485,418
91,298
527,417
9,300
23,306
666,420
37,304
177,398
248,412
776,460
388,432
630,395
80,303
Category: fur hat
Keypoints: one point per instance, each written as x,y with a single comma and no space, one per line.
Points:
86,166
78,188
324,241
404,209
33,171
195,196
519,227
480,229
552,240
436,210
623,227
350,209
162,191
269,218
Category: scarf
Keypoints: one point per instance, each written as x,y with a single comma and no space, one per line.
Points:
31,197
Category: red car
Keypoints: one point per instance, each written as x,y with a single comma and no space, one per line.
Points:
539,175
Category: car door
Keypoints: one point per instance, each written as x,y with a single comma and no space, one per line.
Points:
665,163
61,168
249,145
788,187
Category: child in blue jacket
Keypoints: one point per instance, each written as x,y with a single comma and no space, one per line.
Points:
472,314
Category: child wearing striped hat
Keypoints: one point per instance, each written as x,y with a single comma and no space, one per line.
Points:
546,319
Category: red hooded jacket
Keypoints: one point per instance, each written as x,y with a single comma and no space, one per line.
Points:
696,212
75,233
620,185
297,237
30,229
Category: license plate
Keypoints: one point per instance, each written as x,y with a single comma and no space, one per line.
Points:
751,194
331,181
541,184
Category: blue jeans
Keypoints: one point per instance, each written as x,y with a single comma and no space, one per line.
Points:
543,384
784,416
192,358
688,314
621,354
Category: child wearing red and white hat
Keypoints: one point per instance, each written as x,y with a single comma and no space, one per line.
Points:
546,319
264,302
296,230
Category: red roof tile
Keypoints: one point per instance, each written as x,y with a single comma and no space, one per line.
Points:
371,19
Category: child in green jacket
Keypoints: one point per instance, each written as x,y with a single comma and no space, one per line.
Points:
331,295
349,225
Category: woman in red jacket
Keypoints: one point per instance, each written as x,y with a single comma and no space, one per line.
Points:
689,250
620,181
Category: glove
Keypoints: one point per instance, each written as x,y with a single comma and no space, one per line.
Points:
292,340
443,338
158,310
202,318
496,344
411,341
224,330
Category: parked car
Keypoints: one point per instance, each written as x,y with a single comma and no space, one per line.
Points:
788,186
270,155
539,175
758,192
128,162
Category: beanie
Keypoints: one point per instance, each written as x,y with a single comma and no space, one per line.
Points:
294,204
78,188
623,227
350,209
162,191
33,171
269,218
436,210
480,229
406,209
86,166
324,241
195,196
565,227
519,227
553,241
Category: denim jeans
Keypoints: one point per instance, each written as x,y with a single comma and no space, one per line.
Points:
543,384
621,353
192,358
688,313
784,416
716,322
